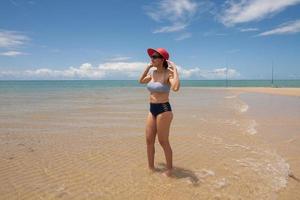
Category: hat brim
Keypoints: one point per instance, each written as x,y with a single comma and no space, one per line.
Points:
150,52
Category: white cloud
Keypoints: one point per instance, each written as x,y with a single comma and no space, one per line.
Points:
113,71
84,71
173,28
20,3
286,28
119,58
12,39
249,29
12,53
218,73
121,66
14,3
178,13
183,36
108,70
241,11
213,33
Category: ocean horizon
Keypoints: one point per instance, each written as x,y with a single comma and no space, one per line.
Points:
10,84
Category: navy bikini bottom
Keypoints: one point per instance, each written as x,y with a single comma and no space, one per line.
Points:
157,108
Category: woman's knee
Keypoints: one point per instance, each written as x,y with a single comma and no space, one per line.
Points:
163,142
150,140
150,136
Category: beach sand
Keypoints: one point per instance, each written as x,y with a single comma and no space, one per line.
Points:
228,143
268,90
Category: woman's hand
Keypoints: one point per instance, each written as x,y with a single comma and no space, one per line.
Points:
172,66
174,78
150,65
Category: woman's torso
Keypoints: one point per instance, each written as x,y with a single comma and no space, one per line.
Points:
159,87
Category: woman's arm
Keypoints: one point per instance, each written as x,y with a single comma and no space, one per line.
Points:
145,78
174,78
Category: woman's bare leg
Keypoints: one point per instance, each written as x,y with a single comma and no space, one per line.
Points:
150,139
163,122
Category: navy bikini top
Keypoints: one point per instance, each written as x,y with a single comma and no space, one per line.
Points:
158,86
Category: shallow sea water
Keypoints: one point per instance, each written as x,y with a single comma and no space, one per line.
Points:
90,143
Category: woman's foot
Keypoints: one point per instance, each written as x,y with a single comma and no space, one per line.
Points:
168,173
152,169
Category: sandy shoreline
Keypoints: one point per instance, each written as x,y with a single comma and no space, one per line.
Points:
91,144
276,114
288,91
268,90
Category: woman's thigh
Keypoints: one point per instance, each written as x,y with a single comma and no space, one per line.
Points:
151,128
163,122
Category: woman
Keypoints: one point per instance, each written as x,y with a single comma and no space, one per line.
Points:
159,83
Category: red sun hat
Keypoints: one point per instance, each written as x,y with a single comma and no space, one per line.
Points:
163,52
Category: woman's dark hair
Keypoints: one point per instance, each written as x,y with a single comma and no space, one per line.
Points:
165,64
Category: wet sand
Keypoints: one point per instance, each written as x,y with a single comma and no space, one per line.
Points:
277,117
90,144
268,90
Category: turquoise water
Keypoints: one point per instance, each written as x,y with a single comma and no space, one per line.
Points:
8,85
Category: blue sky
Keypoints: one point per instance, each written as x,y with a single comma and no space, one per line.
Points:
108,39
